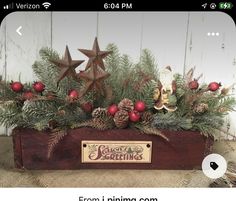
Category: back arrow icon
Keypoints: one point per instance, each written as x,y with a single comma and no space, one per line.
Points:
18,30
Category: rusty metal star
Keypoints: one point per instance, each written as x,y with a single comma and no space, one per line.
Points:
95,55
67,66
93,78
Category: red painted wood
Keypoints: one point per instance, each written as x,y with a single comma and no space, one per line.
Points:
185,150
17,151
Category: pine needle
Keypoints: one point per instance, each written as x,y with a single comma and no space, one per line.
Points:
54,139
97,123
171,121
151,131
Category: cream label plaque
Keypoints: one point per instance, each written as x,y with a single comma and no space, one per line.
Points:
116,151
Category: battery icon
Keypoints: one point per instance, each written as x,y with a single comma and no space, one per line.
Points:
225,5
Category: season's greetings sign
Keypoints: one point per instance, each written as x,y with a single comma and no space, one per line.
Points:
116,151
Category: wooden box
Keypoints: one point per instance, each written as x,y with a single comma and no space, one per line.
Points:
185,149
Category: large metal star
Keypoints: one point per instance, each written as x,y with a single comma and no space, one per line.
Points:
93,78
67,66
95,55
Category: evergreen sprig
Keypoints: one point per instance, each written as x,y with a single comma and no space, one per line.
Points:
128,79
170,121
131,80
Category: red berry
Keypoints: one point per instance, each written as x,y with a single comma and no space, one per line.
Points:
112,109
87,107
193,84
17,86
134,116
27,95
73,94
38,87
213,86
140,106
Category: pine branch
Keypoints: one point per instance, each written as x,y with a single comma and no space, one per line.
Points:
126,64
41,125
112,61
180,85
147,64
47,72
97,123
146,94
226,104
10,113
54,139
39,109
71,114
150,131
6,93
170,121
130,80
208,124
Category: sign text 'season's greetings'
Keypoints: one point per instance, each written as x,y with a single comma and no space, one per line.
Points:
116,151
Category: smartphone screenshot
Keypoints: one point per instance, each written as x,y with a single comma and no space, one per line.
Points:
117,101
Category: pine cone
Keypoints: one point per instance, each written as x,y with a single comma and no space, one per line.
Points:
52,124
103,124
99,112
147,118
200,108
126,104
121,119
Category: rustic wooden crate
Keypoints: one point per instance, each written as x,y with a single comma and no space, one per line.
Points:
185,150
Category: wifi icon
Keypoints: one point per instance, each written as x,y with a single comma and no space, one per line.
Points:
46,5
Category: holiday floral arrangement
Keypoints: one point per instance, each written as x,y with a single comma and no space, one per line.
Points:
112,92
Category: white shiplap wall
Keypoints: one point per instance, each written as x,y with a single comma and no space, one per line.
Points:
165,34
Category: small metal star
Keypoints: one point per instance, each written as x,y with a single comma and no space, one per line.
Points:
93,78
95,55
67,66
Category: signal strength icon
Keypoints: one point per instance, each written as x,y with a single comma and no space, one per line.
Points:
46,5
9,6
